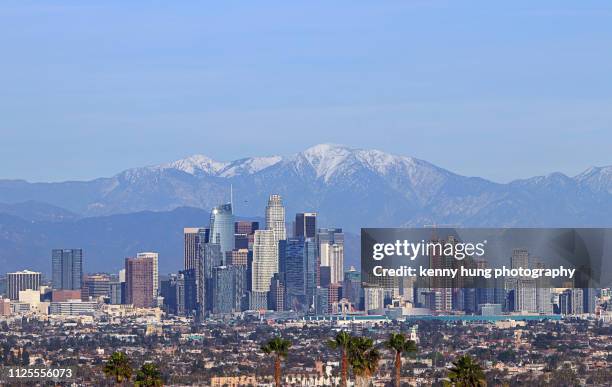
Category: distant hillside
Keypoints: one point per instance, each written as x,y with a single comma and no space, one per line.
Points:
350,188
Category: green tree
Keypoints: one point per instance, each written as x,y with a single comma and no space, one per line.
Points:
149,375
118,368
342,341
364,358
397,342
278,347
466,373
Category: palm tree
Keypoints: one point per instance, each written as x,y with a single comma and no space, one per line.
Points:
118,367
279,347
149,375
398,343
466,373
364,358
342,341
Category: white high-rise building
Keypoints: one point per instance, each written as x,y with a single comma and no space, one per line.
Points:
155,257
275,217
265,259
22,280
331,252
525,296
332,255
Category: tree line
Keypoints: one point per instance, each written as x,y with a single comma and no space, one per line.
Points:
358,354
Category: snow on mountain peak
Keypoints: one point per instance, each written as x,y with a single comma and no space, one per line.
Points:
249,165
328,159
196,164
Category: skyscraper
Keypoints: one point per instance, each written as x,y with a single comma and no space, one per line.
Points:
191,291
442,287
67,268
275,217
293,264
22,280
155,258
306,225
193,238
276,296
95,286
228,289
222,227
352,286
331,252
265,261
210,257
139,275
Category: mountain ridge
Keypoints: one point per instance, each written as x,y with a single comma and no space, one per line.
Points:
349,187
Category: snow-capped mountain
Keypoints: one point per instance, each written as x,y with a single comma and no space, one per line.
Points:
348,187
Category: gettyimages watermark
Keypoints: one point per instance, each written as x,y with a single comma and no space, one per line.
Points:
486,257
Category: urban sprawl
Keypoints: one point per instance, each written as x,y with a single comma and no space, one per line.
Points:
258,305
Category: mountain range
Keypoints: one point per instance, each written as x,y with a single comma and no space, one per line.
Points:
349,188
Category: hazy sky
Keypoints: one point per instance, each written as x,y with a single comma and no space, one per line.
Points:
88,89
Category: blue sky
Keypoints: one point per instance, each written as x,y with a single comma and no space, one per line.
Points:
502,91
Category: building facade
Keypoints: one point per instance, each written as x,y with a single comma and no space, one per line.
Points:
67,268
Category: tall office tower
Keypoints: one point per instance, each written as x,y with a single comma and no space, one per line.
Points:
589,300
306,225
442,285
299,268
22,280
190,298
265,259
96,286
276,295
169,291
543,291
565,302
321,301
332,255
155,257
222,227
577,301
544,300
352,286
293,264
520,258
117,292
275,217
239,257
140,278
210,257
331,252
310,249
228,289
193,238
525,296
67,268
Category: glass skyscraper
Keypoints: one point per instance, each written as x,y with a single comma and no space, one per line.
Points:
222,227
67,268
298,263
